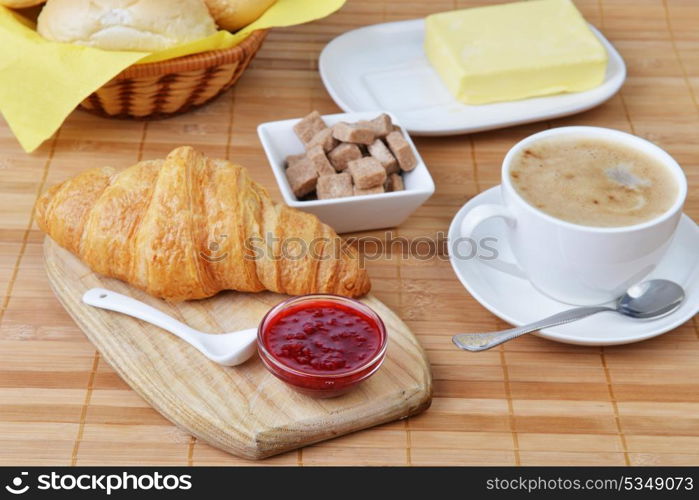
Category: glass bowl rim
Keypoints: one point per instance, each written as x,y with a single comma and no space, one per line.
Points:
355,304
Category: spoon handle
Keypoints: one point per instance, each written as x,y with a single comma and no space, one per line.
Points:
113,301
482,341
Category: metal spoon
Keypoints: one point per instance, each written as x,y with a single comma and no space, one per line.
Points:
228,349
650,299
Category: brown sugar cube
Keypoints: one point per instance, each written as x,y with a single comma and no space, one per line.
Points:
374,190
353,132
334,186
317,157
381,125
293,159
401,150
394,182
378,150
343,154
302,177
367,172
323,138
309,126
309,197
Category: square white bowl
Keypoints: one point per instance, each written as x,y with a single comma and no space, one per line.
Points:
353,213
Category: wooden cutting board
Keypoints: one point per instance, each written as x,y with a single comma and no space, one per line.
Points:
243,410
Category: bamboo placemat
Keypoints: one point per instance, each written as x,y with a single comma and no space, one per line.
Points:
529,402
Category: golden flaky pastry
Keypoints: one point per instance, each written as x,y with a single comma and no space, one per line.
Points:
188,226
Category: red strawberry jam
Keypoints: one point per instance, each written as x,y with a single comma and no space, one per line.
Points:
322,345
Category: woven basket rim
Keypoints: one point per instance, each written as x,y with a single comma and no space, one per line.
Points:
195,61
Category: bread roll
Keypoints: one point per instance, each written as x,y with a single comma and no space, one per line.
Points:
142,25
20,4
235,14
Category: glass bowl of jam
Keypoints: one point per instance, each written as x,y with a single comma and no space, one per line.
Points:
322,345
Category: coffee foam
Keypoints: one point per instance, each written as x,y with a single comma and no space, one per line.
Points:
623,175
593,182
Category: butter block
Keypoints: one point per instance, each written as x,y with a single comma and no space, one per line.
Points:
514,51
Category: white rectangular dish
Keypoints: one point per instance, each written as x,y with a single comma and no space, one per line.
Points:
384,67
353,213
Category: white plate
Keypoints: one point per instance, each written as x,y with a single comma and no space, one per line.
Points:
384,67
509,296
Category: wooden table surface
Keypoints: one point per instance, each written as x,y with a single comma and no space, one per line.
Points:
529,402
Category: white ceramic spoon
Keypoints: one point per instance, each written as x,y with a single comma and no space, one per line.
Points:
228,349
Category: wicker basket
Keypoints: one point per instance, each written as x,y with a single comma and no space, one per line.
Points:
161,89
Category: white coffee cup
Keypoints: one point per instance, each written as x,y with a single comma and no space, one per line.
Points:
576,264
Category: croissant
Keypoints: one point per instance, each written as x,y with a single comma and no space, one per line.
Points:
188,226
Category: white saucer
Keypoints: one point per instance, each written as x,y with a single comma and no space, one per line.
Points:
511,297
384,67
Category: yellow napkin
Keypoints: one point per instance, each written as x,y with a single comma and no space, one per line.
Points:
42,82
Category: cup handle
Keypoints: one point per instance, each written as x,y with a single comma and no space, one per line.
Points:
480,214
